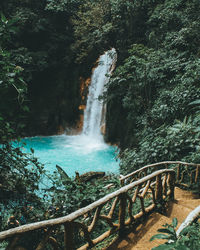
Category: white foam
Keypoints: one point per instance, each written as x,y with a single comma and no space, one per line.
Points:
85,144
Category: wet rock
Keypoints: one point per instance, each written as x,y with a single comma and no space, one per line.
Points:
89,176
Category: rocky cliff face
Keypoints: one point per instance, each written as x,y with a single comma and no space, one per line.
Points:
58,98
55,98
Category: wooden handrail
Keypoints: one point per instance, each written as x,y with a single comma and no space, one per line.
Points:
124,198
79,212
148,191
164,165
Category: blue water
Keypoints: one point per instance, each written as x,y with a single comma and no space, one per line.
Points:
73,153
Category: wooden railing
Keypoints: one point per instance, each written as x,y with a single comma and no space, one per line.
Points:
90,225
186,173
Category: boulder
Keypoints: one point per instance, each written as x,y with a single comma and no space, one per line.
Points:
89,176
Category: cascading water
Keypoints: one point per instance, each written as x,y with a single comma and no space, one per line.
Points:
94,115
87,151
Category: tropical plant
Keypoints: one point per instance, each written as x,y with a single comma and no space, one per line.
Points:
188,238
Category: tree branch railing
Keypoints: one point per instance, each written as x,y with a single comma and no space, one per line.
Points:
186,173
90,225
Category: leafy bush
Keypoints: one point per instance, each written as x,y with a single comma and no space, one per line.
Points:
188,239
179,141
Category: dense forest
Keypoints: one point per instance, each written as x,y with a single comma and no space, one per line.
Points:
153,96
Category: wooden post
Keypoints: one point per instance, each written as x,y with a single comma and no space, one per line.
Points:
197,173
122,183
142,204
53,242
44,241
178,173
164,184
172,184
158,193
69,237
122,214
197,177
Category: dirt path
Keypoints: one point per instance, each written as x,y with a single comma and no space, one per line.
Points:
138,238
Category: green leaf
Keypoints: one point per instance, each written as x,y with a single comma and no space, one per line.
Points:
195,102
186,230
62,172
26,108
3,18
159,236
164,247
183,247
12,74
167,230
174,222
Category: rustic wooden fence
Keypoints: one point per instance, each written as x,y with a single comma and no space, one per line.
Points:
186,173
90,225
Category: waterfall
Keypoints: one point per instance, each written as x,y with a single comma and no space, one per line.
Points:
94,115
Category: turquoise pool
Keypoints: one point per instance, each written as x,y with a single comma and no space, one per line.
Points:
73,153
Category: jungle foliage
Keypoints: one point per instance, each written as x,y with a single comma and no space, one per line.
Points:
153,88
39,42
23,192
152,98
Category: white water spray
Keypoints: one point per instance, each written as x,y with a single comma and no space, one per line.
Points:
94,115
